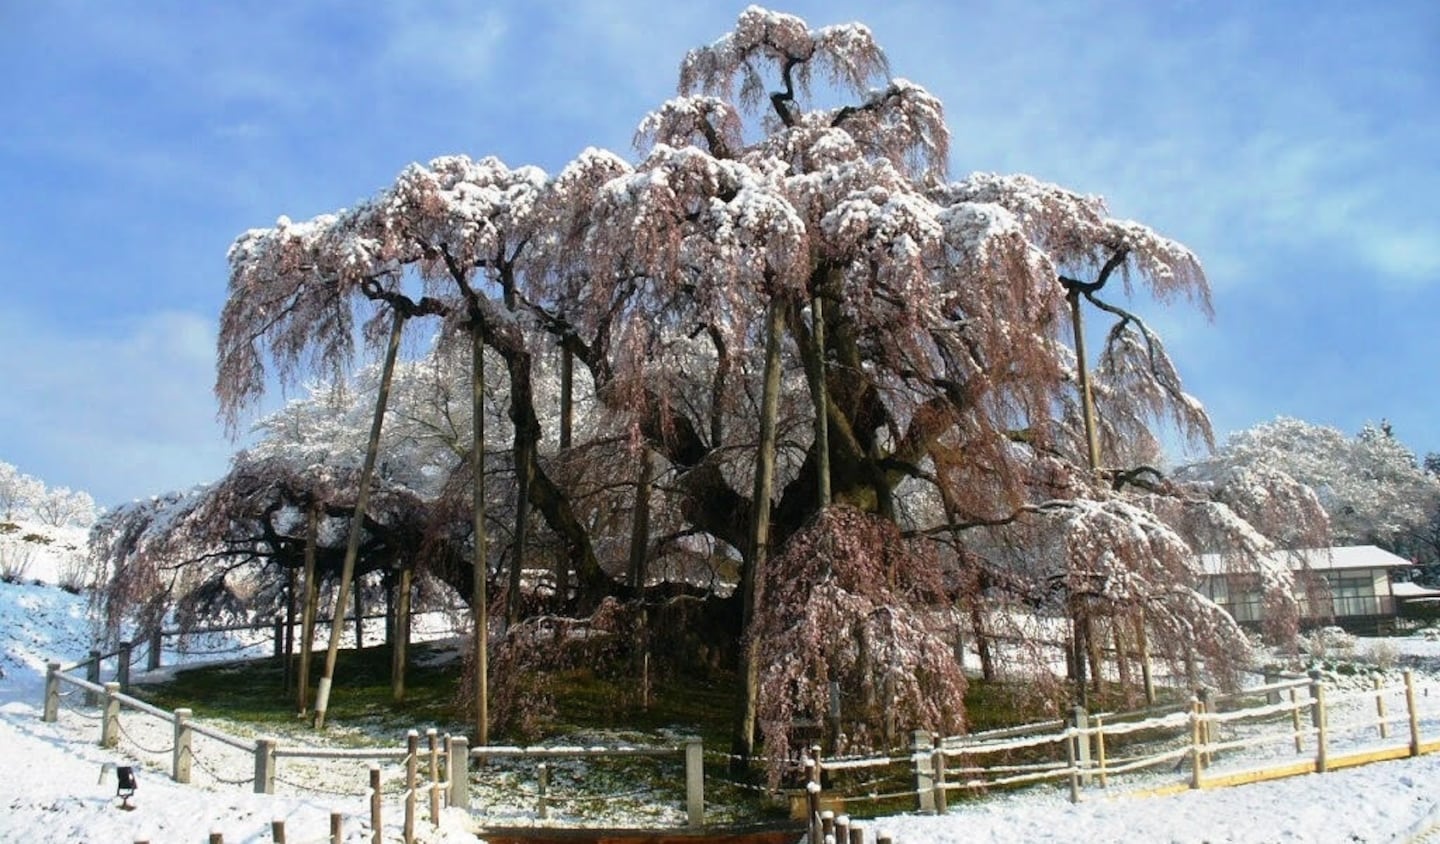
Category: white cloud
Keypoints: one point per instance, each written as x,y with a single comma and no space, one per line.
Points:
120,414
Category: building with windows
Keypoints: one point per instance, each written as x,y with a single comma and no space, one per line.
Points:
1348,586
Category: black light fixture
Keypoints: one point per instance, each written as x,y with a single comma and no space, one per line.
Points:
125,785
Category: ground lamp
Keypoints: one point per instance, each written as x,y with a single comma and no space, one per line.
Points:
125,785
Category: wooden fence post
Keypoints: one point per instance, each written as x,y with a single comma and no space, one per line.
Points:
941,798
1070,737
122,666
279,649
217,838
52,692
694,782
1272,677
842,829
277,831
92,673
459,751
884,837
375,825
265,766
857,834
1380,710
1295,718
1100,750
1195,742
1081,722
542,776
181,756
336,831
412,782
157,639
1413,713
827,826
920,747
432,738
110,721
812,807
1207,727
1317,717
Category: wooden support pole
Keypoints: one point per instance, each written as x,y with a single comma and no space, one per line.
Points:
217,838
337,834
277,831
542,775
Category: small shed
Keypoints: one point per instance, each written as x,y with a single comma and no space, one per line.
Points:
1356,579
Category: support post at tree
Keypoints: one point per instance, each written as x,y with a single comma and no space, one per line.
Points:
479,600
1412,712
400,644
357,523
376,826
157,641
921,746
1321,723
412,782
92,674
309,610
752,578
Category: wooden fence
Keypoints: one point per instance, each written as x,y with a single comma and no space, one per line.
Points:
1285,728
438,772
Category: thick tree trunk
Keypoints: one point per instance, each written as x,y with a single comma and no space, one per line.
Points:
362,500
479,599
359,616
308,612
567,388
1142,639
982,642
640,523
524,473
753,575
820,398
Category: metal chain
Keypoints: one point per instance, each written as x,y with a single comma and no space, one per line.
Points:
194,757
317,789
83,714
119,722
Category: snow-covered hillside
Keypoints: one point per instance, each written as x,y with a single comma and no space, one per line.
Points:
52,789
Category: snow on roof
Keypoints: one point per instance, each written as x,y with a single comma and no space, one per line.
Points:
1413,590
1317,559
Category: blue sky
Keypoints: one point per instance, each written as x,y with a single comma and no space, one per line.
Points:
1295,146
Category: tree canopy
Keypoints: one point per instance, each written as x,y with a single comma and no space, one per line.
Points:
930,327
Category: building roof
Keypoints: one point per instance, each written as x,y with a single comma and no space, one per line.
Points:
1413,590
1318,559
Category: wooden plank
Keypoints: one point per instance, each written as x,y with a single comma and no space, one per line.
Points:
1258,775
1365,758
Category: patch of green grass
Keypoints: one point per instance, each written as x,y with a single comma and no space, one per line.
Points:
254,691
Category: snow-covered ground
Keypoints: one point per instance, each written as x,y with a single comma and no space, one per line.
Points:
54,787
